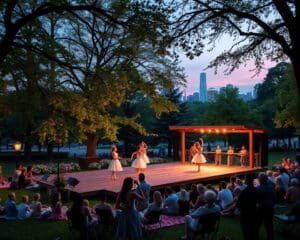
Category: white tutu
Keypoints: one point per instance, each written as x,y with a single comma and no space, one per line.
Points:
146,158
115,166
139,162
199,158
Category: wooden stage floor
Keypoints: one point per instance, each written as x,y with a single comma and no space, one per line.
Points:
157,175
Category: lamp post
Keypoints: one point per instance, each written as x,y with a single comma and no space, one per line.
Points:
17,149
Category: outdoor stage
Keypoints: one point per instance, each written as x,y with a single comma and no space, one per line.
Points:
157,175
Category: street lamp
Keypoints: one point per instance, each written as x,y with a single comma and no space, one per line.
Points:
17,149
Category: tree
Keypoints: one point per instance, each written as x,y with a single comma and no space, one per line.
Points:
114,63
16,15
288,111
228,109
261,29
178,117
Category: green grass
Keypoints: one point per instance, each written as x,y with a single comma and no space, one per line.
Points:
49,230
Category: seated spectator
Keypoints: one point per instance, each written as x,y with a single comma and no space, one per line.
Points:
280,192
87,212
293,194
271,177
56,208
1,208
103,205
15,176
192,222
170,203
24,211
78,216
36,206
156,205
200,199
28,178
231,184
183,203
193,194
2,179
225,196
10,206
285,178
231,208
182,187
286,163
22,179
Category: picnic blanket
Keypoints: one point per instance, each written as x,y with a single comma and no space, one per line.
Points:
166,221
5,185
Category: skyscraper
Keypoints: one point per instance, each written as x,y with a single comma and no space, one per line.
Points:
203,88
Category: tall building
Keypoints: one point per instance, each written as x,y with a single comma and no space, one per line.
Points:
203,88
212,94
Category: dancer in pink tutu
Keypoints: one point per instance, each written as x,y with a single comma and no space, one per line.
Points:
115,164
139,163
199,157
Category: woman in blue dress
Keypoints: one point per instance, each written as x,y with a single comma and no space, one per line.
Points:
129,224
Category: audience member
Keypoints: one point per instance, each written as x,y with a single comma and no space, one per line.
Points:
15,176
2,179
10,207
170,203
182,187
193,194
285,178
145,188
24,211
22,179
29,179
104,205
129,225
183,203
293,194
266,205
192,222
224,196
156,205
279,191
247,205
56,207
36,206
87,212
200,199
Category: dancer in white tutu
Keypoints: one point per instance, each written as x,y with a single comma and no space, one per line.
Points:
199,157
115,164
139,163
143,148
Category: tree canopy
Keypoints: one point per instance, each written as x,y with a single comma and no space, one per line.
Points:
261,30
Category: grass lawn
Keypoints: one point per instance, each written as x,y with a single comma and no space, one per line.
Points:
41,229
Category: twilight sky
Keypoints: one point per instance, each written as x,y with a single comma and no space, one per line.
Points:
242,78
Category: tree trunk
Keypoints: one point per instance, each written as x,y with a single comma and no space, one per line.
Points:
91,145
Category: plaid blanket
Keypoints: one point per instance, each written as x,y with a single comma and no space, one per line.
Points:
166,221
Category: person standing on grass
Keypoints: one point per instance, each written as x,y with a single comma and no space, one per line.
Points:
247,205
115,164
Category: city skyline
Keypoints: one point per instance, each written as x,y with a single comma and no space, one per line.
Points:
243,78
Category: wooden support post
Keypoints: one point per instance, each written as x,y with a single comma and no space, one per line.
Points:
251,154
182,147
